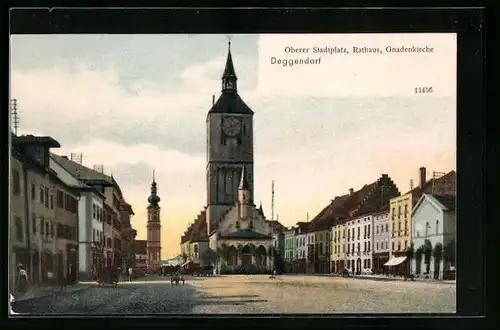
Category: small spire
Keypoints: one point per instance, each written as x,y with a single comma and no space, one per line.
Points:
154,175
243,180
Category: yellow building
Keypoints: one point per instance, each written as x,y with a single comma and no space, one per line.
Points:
402,206
338,247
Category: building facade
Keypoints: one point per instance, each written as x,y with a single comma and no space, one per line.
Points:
434,228
289,237
401,208
90,222
44,211
338,247
359,244
381,240
128,234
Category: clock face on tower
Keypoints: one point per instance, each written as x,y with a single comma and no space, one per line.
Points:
231,126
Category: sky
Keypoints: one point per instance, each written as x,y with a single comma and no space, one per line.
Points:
134,103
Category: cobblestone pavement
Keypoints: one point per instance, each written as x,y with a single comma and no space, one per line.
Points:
251,294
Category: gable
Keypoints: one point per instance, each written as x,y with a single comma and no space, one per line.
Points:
426,212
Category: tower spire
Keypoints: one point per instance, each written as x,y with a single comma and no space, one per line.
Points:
153,198
229,78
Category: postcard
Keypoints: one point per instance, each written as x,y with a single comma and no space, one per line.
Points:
233,174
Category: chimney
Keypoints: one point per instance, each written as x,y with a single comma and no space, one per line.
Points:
423,178
351,191
213,100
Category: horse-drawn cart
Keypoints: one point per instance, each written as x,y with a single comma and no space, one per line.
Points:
176,278
108,276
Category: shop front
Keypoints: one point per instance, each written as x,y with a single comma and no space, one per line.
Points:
379,259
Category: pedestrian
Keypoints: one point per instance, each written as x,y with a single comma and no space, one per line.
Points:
22,279
61,280
130,274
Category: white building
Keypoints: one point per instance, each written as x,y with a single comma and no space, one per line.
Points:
301,243
359,245
381,240
90,221
434,221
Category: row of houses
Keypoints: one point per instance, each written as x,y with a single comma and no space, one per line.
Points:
376,229
64,217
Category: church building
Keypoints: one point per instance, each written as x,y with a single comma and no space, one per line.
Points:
236,229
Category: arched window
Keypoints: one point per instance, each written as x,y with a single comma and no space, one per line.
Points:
427,228
437,227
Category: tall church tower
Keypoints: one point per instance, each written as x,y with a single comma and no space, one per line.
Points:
153,244
229,147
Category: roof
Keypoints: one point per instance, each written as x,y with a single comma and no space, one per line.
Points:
81,172
229,68
230,102
328,215
36,140
246,233
438,183
127,206
276,226
198,230
140,246
449,201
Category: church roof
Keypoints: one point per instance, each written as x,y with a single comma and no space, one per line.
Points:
229,69
230,102
246,233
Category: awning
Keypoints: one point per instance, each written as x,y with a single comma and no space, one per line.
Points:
395,261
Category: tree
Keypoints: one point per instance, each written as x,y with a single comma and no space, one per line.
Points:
449,253
209,256
427,255
438,256
410,253
418,258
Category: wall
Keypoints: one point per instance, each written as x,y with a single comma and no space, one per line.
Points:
17,207
381,240
400,223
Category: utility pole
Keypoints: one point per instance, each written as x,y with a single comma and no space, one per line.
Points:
15,116
272,201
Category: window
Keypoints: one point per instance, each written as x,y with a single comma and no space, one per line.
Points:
60,199
93,235
387,227
393,213
51,201
399,211
377,245
16,182
399,246
437,227
406,210
93,211
47,228
42,226
41,195
369,263
406,244
33,223
343,234
369,230
426,229
377,229
359,247
19,229
364,263
392,246
52,230
349,235
369,246
33,191
359,230
365,247
46,197
399,226
418,233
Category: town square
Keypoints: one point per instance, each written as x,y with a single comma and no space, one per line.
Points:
169,200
